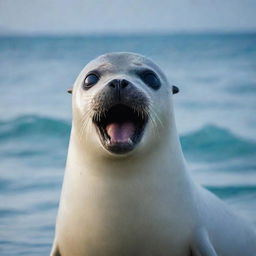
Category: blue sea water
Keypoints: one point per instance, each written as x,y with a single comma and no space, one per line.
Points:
215,114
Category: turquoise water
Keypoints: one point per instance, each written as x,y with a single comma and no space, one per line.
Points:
215,113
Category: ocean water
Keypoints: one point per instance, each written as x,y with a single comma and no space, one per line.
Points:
215,115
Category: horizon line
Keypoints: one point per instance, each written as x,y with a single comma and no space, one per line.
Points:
127,34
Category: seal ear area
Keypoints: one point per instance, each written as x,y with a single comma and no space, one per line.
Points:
175,89
70,90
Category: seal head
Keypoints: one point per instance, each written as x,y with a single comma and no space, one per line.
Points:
113,93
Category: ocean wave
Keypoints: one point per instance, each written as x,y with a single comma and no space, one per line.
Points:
232,191
33,125
35,141
213,143
210,143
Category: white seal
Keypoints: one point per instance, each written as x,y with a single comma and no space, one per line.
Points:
127,191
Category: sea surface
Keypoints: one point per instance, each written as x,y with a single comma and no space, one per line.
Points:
215,115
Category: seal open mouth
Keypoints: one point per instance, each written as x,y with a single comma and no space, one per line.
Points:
120,128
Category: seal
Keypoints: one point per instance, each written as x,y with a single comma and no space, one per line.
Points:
127,190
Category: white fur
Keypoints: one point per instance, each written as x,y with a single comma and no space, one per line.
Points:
145,202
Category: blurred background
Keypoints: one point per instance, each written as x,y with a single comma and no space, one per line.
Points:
207,48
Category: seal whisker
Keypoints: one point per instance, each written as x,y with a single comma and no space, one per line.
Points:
83,126
152,109
153,121
153,118
85,121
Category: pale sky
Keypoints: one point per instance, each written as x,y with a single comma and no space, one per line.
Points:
124,16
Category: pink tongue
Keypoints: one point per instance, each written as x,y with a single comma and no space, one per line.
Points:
120,132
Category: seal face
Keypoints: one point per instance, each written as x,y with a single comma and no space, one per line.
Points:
120,115
119,88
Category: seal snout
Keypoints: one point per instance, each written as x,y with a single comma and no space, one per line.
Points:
121,114
118,86
118,83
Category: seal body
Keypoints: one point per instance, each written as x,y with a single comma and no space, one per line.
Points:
126,189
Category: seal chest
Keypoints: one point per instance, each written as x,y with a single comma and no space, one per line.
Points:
126,190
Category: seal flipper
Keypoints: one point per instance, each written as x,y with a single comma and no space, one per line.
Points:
201,244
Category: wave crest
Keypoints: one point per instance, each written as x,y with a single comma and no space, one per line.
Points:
32,125
212,143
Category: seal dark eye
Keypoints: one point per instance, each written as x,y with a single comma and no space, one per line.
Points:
90,80
151,80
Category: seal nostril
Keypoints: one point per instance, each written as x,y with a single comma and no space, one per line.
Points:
114,83
123,83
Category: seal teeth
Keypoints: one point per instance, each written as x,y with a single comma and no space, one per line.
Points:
108,142
129,141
